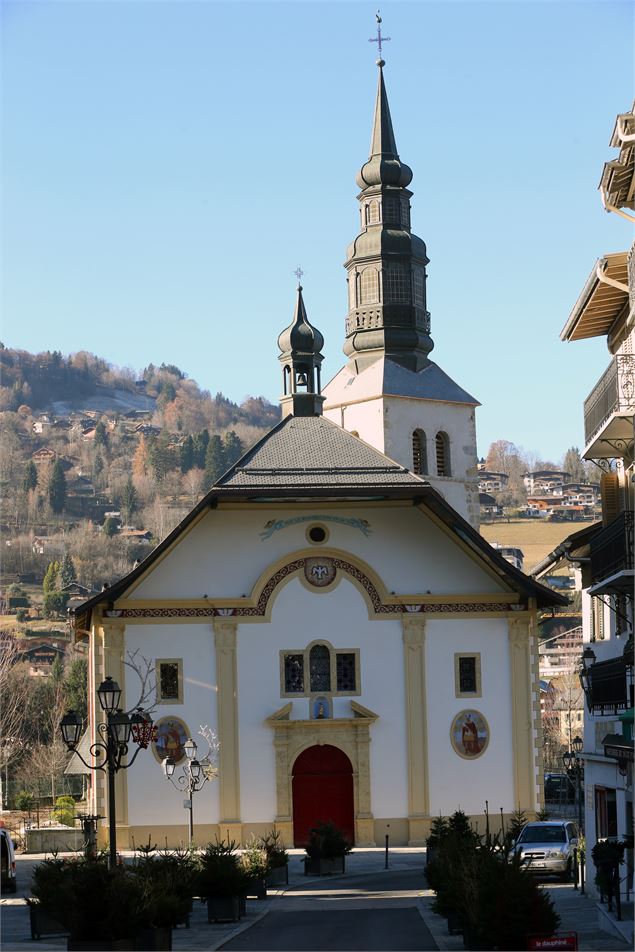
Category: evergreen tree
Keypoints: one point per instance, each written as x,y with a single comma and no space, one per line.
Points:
161,457
50,577
110,526
101,435
233,449
187,455
67,573
98,466
214,461
574,464
30,477
76,686
57,670
57,487
129,499
201,442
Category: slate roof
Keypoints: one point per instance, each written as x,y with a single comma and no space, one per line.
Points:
315,453
384,377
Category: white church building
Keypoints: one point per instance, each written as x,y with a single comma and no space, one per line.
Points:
329,607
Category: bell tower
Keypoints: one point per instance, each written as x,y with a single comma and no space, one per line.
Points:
300,358
390,393
386,263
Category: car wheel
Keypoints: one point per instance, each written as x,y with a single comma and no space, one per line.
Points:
566,876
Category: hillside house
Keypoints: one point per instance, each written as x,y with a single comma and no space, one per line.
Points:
489,482
545,482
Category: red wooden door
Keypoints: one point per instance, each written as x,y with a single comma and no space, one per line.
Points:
322,792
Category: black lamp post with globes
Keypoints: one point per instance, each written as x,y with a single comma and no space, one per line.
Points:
109,752
573,765
195,773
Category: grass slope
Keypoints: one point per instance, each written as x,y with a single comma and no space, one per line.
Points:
535,537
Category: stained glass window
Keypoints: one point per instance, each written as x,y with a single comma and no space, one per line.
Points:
294,674
169,680
345,665
320,668
467,676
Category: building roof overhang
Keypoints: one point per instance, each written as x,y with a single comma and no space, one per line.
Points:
617,185
602,301
419,493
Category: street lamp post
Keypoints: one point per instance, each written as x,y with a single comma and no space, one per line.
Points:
109,752
573,765
195,773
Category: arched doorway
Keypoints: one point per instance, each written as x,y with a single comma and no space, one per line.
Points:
322,792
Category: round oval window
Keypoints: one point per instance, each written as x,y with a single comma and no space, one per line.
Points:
317,534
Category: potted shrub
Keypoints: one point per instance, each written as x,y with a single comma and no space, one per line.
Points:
168,879
438,833
255,866
325,851
101,908
277,859
220,881
607,855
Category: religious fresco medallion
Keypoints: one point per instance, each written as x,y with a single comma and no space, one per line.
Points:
469,734
172,733
319,572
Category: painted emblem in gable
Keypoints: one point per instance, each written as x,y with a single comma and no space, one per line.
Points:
319,572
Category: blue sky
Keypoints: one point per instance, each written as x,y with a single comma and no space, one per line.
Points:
167,165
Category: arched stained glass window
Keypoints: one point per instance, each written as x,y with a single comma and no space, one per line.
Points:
320,668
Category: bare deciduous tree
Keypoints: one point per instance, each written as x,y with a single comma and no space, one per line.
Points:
14,693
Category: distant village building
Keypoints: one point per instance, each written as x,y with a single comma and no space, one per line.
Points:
545,482
489,482
511,553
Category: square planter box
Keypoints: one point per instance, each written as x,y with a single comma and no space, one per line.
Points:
99,945
154,940
324,867
256,889
43,924
278,876
223,909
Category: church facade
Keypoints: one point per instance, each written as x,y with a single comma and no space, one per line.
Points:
328,609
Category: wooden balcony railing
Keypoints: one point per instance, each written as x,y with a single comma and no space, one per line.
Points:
614,392
612,548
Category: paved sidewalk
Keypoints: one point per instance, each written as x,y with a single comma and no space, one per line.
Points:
578,913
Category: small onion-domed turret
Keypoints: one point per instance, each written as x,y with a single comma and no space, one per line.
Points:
300,335
300,356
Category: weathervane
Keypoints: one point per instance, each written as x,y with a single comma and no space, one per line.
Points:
298,273
379,39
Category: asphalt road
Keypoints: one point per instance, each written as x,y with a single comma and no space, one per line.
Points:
373,913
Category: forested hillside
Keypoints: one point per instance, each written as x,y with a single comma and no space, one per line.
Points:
100,462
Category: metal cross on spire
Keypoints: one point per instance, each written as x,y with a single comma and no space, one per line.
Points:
379,39
298,273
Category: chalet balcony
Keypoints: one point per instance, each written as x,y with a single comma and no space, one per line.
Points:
612,561
610,687
609,409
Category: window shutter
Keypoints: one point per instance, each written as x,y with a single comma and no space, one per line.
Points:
610,491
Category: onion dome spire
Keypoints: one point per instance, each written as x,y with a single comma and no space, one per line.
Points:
386,263
300,357
384,166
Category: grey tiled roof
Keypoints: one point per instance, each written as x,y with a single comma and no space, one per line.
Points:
313,451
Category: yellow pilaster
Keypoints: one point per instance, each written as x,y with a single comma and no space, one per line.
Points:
522,734
112,651
414,640
225,630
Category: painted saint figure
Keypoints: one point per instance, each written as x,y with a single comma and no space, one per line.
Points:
469,737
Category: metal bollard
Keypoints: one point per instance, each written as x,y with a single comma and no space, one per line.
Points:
387,842
575,868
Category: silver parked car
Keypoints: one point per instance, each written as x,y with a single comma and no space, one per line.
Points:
547,847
